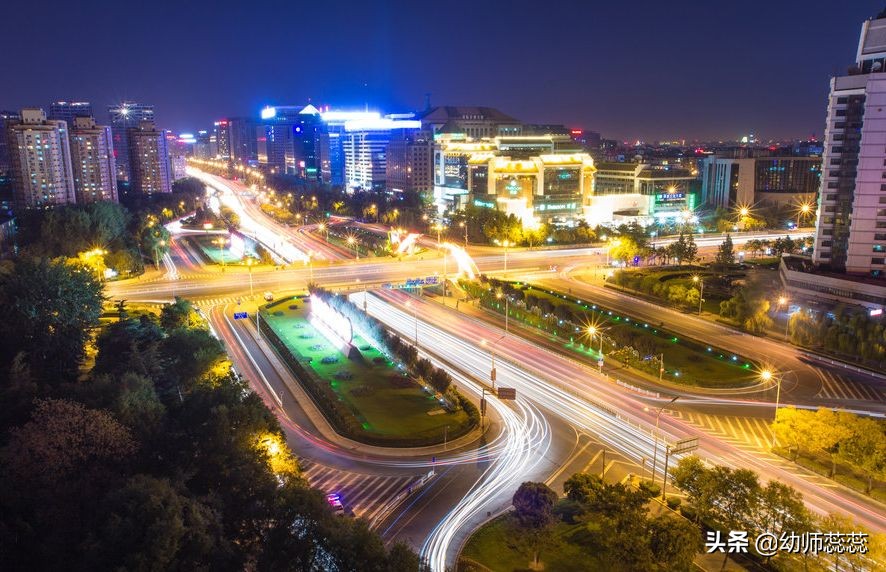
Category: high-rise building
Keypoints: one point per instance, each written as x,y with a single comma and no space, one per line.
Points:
125,116
203,145
40,156
410,163
6,117
243,139
92,161
335,129
851,227
149,160
178,155
223,139
294,140
365,143
69,110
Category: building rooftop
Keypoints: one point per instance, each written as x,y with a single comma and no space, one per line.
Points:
442,114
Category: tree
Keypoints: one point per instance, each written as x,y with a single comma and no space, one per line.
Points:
829,428
534,504
793,429
684,249
50,309
696,480
781,510
534,515
749,311
130,345
674,542
148,525
176,315
726,253
865,448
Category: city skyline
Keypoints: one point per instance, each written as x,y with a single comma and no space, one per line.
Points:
713,84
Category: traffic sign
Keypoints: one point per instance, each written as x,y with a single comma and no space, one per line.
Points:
685,446
240,315
507,393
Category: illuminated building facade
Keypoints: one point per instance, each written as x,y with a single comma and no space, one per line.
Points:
409,163
365,142
149,157
294,140
850,234
637,192
544,188
222,139
40,157
92,161
728,183
125,116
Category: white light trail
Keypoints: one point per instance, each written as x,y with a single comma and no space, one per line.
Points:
267,237
574,393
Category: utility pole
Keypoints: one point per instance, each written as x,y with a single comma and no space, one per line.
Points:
664,484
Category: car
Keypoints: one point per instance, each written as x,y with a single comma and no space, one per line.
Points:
334,500
269,296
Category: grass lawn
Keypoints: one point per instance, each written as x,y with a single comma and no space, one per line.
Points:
382,398
489,547
213,252
686,361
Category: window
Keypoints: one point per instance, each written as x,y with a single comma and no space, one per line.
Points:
883,199
836,150
878,261
878,248
881,224
842,100
830,197
840,125
881,212
841,113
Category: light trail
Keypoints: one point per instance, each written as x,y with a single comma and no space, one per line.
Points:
526,442
575,393
249,225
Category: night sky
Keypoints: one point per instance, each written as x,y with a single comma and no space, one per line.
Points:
634,69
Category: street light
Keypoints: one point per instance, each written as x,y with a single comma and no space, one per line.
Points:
783,301
352,243
697,279
594,331
464,226
499,295
766,376
492,373
655,450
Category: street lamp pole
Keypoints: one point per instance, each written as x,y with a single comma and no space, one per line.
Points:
698,280
655,450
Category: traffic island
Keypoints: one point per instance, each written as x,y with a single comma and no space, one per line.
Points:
596,332
363,393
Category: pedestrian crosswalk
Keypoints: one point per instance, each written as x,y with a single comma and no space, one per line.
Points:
835,386
740,431
366,495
